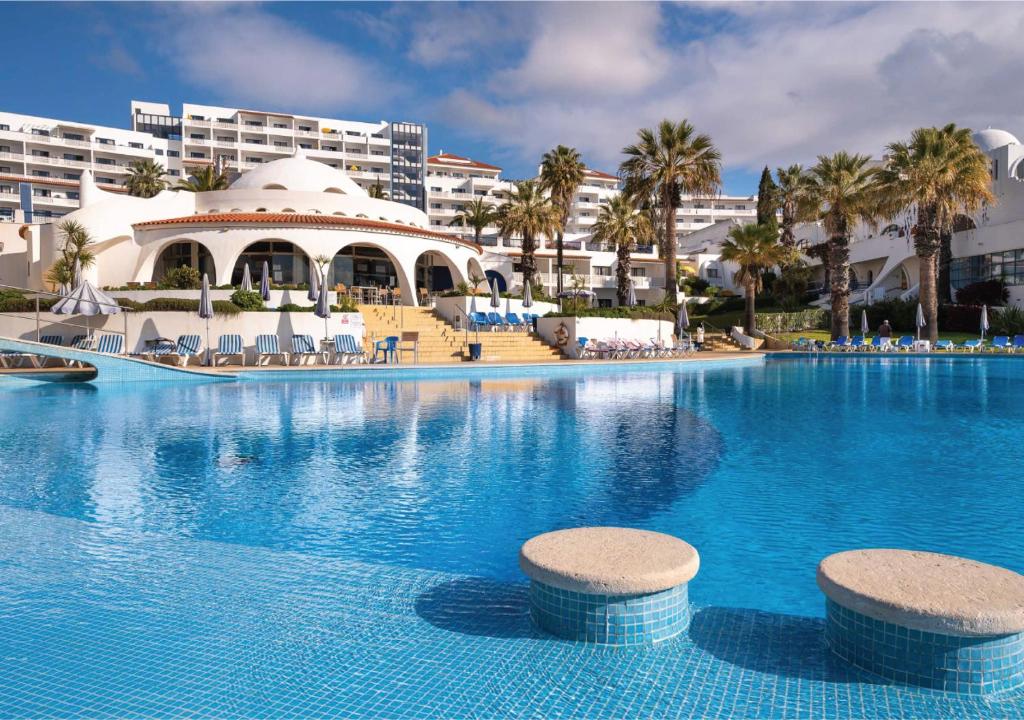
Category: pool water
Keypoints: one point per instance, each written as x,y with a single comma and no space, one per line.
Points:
307,547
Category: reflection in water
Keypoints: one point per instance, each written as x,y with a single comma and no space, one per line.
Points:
451,475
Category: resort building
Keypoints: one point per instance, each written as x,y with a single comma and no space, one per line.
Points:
985,246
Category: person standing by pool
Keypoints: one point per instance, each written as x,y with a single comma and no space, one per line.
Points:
885,329
699,339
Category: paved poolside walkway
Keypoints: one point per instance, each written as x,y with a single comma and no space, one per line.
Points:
102,622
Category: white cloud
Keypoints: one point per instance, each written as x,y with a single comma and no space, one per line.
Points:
775,84
459,33
252,57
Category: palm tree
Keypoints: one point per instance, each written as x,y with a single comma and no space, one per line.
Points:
528,213
665,162
841,189
146,178
76,252
941,173
204,179
792,196
478,215
377,191
755,248
561,174
619,223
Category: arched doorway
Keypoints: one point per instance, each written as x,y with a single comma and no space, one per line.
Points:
494,275
363,266
434,273
288,264
184,253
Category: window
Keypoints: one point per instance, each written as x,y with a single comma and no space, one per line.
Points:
197,136
72,194
40,153
306,146
712,272
435,206
106,180
353,132
435,189
104,141
638,272
254,123
4,126
306,128
699,220
41,173
42,133
280,143
173,173
604,303
72,176
603,270
719,207
40,192
741,207
137,146
280,125
699,206
173,153
193,154
225,139
71,156
159,152
74,136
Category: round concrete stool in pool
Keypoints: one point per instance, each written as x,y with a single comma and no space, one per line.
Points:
926,619
612,586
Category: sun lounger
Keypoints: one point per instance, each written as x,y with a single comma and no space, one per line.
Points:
1000,343
946,345
229,346
498,321
585,348
478,320
879,343
1018,343
856,343
840,343
971,345
906,342
111,344
267,347
347,348
303,347
515,321
186,346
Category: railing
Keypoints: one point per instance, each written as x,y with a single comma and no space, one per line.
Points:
38,320
469,322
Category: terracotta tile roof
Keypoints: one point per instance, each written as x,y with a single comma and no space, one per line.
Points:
59,182
598,173
458,161
302,219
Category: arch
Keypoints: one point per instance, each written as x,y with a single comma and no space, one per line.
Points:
183,253
288,210
366,264
363,215
214,211
337,191
261,209
473,267
435,272
274,186
339,212
236,210
289,264
492,275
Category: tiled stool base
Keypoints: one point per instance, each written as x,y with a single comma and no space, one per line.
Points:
610,619
975,665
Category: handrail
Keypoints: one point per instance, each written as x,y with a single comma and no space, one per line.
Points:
124,311
469,322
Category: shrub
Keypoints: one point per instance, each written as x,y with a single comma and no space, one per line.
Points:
959,318
247,299
901,315
1007,321
985,292
630,313
183,277
346,304
786,322
695,285
220,307
293,307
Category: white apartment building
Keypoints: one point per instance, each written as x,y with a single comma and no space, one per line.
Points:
453,182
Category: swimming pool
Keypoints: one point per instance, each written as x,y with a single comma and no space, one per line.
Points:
308,547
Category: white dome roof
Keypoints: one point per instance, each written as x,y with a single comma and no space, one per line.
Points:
992,138
299,174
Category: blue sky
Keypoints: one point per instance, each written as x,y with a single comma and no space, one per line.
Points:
772,83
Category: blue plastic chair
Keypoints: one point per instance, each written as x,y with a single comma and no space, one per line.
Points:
944,345
478,320
971,345
389,347
1000,343
513,320
906,342
839,343
497,320
857,342
1018,343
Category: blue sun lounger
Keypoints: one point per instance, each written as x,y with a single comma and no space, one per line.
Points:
187,346
970,345
303,346
1000,343
346,347
906,342
229,346
946,345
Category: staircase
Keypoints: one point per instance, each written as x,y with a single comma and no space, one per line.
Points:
439,342
720,342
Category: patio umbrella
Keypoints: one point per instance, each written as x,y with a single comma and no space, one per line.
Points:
984,320
527,295
495,295
323,305
919,321
682,319
265,282
864,327
631,295
86,300
314,285
246,278
206,311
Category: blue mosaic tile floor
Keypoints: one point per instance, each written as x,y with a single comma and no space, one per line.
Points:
99,623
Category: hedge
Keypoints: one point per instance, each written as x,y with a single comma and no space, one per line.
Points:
788,322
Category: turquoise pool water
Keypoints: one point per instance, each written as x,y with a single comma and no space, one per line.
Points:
349,547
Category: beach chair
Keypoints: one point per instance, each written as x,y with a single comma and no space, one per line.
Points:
478,320
268,348
971,345
186,346
515,321
1000,343
388,347
410,342
498,321
303,347
906,342
857,343
1018,343
229,346
111,344
879,344
839,343
946,345
346,347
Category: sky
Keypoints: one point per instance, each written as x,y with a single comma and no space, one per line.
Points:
772,83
